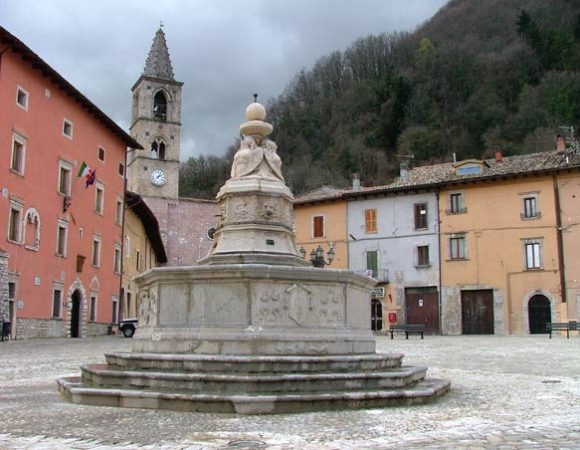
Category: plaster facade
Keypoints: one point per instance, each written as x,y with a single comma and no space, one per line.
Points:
62,238
496,234
333,212
396,241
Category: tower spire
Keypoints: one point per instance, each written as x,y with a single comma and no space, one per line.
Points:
158,63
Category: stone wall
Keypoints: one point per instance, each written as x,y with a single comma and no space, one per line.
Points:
55,328
40,328
95,329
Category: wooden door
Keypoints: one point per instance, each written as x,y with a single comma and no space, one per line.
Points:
477,311
422,307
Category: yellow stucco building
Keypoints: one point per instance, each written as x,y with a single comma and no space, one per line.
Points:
321,219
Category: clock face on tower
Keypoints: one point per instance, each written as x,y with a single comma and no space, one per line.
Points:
158,177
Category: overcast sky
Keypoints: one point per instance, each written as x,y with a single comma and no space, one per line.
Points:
223,50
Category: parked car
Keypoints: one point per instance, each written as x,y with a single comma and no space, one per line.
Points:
128,327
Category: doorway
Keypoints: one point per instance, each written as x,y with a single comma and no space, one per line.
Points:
376,315
539,314
422,307
75,313
477,311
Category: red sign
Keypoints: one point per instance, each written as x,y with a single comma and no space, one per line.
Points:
392,317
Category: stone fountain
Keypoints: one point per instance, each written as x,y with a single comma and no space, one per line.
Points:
253,328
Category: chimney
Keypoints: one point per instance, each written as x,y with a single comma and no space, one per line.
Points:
498,155
404,171
355,181
560,143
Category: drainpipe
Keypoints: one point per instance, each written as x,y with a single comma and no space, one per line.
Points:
560,239
439,256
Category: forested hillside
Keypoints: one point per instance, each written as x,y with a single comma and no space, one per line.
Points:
481,74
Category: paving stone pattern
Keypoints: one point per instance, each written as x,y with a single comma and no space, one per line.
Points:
506,393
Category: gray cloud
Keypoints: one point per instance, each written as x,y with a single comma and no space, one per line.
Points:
223,50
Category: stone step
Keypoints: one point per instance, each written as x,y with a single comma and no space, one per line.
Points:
99,375
252,364
422,392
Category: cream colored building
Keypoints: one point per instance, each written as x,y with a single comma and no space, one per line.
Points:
142,249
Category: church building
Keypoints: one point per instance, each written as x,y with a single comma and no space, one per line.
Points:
153,171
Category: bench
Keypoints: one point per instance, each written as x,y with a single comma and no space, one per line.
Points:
561,326
407,329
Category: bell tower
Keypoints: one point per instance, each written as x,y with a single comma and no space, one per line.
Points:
156,125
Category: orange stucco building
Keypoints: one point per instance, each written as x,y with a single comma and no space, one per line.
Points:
63,240
321,220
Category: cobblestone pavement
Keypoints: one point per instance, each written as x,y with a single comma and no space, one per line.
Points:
507,392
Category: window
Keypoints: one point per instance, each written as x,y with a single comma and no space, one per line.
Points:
15,222
93,308
530,208
99,198
160,106
18,154
67,128
420,216
370,220
119,212
61,235
121,169
533,253
422,255
457,247
117,259
318,226
101,154
56,302
96,254
372,263
456,204
22,98
114,309
64,178
138,260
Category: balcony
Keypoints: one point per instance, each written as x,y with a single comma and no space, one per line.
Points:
381,275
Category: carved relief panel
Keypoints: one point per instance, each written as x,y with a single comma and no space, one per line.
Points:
297,305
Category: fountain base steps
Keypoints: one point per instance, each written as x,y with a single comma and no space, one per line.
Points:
251,384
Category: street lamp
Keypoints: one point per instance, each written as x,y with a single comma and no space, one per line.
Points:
317,257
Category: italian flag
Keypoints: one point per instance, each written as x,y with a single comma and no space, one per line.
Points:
88,173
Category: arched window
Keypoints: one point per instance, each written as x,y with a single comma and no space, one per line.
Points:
158,149
160,106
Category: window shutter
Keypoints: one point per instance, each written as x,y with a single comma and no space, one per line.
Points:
319,226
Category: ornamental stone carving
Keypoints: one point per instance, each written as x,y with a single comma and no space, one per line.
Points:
148,310
261,161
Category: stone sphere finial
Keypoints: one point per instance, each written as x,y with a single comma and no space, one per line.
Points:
255,111
256,116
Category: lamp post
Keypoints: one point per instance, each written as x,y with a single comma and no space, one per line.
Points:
317,257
